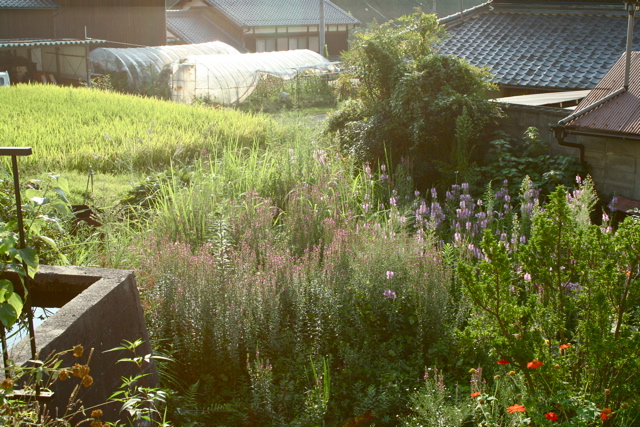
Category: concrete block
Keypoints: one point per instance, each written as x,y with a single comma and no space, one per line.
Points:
99,309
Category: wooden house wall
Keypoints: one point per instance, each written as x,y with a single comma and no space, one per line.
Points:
140,22
20,24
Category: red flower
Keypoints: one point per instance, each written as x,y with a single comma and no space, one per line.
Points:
502,362
534,364
551,416
605,413
476,394
564,346
516,408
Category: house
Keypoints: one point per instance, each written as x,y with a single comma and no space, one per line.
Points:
534,46
604,130
260,25
49,40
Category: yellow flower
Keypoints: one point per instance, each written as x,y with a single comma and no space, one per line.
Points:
511,373
472,371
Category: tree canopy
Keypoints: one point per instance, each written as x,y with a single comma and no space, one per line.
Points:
413,103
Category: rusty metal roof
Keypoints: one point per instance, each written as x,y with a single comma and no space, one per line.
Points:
45,42
619,116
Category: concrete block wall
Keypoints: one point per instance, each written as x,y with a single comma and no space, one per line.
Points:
99,309
615,163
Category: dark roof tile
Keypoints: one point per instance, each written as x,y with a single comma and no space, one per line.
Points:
28,4
260,13
193,26
574,48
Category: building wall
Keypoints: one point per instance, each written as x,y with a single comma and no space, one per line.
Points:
135,25
21,24
615,163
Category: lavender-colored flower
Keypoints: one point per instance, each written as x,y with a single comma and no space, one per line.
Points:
417,193
389,294
527,277
390,275
383,168
465,186
434,193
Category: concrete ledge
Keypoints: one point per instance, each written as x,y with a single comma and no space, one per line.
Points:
99,309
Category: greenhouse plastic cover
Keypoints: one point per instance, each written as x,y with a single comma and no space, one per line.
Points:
141,63
230,79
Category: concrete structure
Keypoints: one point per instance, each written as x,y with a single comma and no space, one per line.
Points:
614,162
99,308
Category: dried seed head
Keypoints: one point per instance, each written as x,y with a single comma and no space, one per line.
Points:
78,350
63,375
6,384
87,380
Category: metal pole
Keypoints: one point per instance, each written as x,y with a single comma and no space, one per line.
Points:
14,152
631,8
321,28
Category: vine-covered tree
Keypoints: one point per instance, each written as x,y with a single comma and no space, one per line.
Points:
409,99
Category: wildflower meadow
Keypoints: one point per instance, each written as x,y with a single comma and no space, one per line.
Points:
286,284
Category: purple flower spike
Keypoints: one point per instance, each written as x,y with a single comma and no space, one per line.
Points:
390,275
389,294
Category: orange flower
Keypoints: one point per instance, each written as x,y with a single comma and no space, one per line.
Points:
564,346
534,364
605,414
516,408
476,394
551,416
502,362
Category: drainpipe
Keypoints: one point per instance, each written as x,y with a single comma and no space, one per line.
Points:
321,29
560,133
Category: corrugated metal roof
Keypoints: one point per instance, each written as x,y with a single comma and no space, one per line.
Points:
620,115
47,42
548,98
261,13
541,48
193,26
28,4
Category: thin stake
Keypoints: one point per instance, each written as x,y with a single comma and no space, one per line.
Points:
23,245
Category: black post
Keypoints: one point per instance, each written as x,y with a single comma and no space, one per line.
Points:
14,152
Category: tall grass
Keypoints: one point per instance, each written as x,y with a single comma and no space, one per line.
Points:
74,128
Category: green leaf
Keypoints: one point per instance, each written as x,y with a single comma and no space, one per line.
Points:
8,314
30,257
16,302
6,288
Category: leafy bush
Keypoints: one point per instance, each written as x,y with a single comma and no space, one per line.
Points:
410,98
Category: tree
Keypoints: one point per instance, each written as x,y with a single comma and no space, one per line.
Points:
409,99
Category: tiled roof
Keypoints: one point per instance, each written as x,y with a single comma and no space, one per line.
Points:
618,116
551,48
260,13
14,43
193,26
28,4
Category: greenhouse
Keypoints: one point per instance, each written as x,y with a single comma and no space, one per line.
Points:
141,63
230,79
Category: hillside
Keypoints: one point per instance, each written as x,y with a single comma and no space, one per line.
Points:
384,10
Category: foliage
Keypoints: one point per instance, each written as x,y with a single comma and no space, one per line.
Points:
304,91
561,311
410,98
512,160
